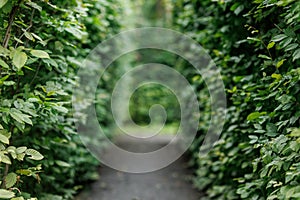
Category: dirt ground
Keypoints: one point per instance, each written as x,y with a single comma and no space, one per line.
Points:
170,183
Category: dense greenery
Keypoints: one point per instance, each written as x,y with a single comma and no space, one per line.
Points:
42,46
256,44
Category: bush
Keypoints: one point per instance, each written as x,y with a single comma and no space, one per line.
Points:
43,45
256,46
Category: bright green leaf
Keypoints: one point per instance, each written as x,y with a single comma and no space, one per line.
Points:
2,3
21,149
34,154
4,139
295,132
3,64
19,59
6,194
5,159
253,116
280,63
39,54
276,76
270,45
10,180
28,36
4,136
25,172
20,198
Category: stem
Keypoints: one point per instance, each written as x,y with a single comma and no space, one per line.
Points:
3,185
278,27
35,75
10,23
27,29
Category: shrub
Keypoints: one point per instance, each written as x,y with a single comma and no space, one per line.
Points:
256,46
43,45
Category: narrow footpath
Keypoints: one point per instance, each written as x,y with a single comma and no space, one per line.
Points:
170,183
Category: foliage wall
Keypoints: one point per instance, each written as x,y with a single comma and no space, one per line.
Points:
42,45
256,45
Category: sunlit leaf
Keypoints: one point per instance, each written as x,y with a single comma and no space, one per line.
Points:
34,154
10,180
19,59
6,194
39,54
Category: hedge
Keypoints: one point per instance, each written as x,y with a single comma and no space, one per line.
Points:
42,46
256,46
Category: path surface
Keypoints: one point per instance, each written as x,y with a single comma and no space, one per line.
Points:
170,183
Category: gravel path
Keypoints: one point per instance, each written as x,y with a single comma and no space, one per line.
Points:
170,183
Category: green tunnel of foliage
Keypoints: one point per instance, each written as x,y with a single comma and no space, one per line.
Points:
42,46
256,45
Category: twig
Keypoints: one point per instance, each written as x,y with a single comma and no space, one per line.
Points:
267,49
27,29
3,185
36,73
278,27
10,23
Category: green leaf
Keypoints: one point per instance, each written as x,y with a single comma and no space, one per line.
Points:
20,117
264,56
276,76
39,54
291,47
28,36
280,63
6,194
5,159
271,130
253,116
296,55
4,136
253,138
270,45
36,36
295,132
21,156
25,172
21,150
253,39
2,3
3,64
279,37
21,198
4,139
62,163
9,83
34,5
61,109
10,180
34,154
19,59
